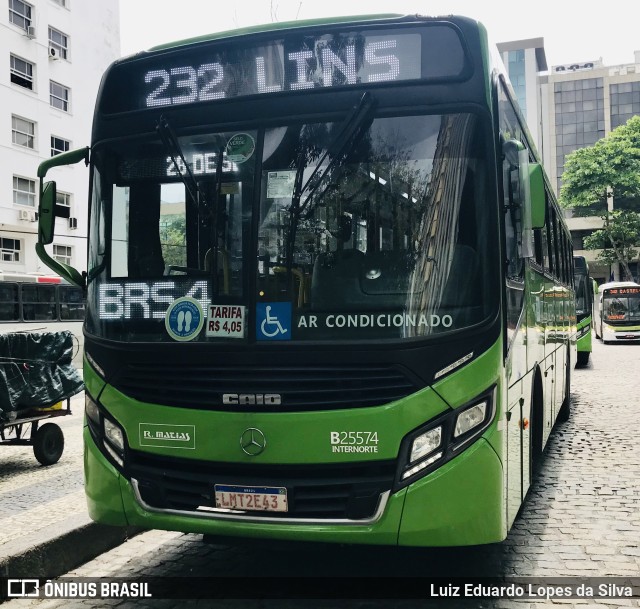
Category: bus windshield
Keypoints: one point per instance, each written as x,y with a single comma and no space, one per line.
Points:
621,306
388,238
583,290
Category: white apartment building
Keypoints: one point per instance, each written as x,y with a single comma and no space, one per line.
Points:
54,54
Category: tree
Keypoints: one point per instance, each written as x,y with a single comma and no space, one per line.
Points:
173,243
617,238
609,168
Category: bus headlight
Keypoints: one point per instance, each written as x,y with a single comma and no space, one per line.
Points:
91,410
425,443
113,434
108,435
469,419
443,438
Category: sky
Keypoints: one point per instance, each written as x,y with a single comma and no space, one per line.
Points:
573,30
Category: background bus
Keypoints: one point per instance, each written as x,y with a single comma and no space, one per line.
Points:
39,303
617,312
584,308
330,291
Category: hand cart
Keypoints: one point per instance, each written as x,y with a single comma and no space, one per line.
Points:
25,430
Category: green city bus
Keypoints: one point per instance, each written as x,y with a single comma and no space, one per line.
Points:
584,308
329,288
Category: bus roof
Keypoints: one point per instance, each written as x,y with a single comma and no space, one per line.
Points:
28,278
617,284
270,27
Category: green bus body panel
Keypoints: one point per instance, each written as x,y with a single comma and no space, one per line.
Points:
584,342
296,437
459,504
101,486
434,511
463,385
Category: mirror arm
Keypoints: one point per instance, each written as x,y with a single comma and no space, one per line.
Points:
66,158
62,269
47,214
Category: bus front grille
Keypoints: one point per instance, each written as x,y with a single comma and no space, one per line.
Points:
317,492
297,387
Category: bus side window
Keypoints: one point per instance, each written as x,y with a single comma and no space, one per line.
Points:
39,302
71,304
9,303
145,257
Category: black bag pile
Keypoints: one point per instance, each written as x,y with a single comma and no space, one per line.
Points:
36,371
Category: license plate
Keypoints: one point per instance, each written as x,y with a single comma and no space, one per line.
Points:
251,498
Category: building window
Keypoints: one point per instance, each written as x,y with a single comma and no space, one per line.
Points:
59,145
21,72
62,253
20,13
59,96
579,117
63,199
24,191
516,64
9,249
61,2
625,102
59,42
23,132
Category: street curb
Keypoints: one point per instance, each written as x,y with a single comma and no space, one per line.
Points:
64,551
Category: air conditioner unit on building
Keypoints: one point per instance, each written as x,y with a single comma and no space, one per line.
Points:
27,215
54,53
30,32
73,223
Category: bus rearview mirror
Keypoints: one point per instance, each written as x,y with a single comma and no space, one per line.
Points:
46,213
536,191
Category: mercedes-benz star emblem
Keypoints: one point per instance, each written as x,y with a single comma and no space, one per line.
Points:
252,441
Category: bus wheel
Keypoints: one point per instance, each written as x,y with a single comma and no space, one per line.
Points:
583,358
565,409
537,425
48,444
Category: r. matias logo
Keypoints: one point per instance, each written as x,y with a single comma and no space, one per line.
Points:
168,436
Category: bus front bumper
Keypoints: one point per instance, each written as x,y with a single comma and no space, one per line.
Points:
620,334
461,503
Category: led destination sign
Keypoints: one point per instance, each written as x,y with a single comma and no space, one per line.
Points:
622,291
224,69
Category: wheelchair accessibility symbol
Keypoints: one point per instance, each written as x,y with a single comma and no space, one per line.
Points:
273,321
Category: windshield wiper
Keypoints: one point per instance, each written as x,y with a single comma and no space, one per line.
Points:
170,142
349,133
196,194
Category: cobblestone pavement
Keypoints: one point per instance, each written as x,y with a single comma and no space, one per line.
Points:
582,518
33,497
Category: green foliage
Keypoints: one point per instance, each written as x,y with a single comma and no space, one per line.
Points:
173,240
618,238
611,165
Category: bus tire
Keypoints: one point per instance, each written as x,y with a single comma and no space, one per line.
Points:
565,410
583,358
48,444
537,424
